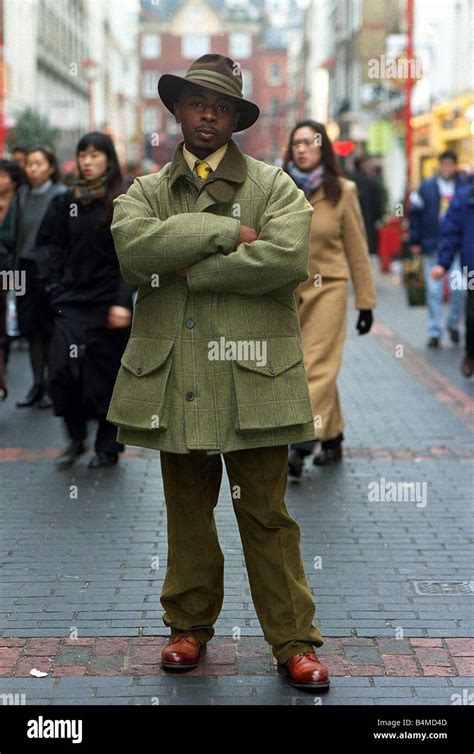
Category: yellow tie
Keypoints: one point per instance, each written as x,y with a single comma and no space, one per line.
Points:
202,169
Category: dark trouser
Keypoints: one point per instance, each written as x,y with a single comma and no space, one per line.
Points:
470,323
193,589
305,448
39,343
35,319
105,439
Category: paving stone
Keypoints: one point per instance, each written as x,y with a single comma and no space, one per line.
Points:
88,570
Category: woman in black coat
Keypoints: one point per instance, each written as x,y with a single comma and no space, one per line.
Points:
34,212
92,303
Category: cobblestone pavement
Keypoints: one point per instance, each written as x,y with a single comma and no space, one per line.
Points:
385,536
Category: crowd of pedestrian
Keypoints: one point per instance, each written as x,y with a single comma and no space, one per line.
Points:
242,250
75,309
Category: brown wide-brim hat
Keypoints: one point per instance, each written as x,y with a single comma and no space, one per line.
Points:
216,72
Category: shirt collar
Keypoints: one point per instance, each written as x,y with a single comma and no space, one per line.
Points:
222,184
213,159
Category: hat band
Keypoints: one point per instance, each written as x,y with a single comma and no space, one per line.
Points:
214,78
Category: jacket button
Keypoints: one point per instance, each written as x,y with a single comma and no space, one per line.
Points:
190,396
186,186
271,370
190,323
139,370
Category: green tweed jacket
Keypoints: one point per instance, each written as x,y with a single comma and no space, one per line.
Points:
214,361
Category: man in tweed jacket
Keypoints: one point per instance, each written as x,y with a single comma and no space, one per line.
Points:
216,243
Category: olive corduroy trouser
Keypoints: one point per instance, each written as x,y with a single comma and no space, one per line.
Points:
193,588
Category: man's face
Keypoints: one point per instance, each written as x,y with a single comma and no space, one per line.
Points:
19,157
207,119
447,168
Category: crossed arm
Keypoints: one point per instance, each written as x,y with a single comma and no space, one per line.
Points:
216,253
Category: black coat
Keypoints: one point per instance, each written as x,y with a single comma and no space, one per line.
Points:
85,282
83,265
33,308
371,203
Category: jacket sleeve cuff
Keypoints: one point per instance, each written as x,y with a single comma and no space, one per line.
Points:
234,242
199,283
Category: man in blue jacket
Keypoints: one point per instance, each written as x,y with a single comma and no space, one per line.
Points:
427,208
457,231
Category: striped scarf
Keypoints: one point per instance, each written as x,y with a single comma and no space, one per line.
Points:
308,181
87,191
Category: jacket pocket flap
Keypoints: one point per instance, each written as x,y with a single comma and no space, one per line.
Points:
143,355
270,356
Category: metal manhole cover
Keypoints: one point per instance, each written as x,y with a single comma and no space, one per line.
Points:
444,587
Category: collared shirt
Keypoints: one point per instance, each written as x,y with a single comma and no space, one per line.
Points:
213,159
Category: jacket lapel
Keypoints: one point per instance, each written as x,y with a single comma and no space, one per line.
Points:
222,183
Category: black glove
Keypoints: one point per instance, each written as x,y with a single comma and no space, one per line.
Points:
364,323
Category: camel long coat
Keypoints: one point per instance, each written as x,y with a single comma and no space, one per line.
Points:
338,252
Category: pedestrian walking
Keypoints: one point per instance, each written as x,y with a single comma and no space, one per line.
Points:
337,252
457,232
34,212
11,177
214,366
18,153
92,304
371,197
427,207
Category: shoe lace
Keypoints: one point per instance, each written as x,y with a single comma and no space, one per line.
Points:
175,637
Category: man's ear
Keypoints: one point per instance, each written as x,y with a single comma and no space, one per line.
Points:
236,119
177,111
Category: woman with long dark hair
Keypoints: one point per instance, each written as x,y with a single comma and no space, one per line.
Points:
93,304
36,203
338,251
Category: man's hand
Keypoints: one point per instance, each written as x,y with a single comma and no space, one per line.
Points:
415,249
182,273
246,235
119,316
437,272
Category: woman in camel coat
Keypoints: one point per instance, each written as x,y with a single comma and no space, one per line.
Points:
338,252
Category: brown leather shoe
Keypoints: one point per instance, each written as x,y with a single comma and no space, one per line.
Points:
327,456
182,652
305,671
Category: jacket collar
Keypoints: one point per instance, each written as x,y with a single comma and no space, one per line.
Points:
221,185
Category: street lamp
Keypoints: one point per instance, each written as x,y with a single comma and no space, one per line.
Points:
90,67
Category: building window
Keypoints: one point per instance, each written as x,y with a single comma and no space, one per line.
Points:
193,46
150,119
149,84
274,107
246,82
274,74
151,46
240,45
